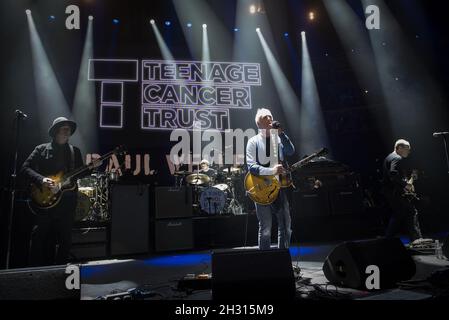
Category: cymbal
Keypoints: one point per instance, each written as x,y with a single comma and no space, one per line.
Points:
197,179
182,173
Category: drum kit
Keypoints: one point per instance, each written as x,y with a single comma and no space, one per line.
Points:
93,196
214,191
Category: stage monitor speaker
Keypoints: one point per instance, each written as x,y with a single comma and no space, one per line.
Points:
252,275
310,204
173,234
346,264
129,219
173,202
41,283
446,247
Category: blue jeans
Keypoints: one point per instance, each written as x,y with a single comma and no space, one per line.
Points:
264,214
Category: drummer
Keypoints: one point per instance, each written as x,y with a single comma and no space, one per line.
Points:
205,169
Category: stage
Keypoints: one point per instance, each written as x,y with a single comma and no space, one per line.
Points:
154,150
160,274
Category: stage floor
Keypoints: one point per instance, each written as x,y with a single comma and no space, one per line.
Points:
161,273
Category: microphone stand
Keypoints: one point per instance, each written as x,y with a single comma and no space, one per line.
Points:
12,189
447,155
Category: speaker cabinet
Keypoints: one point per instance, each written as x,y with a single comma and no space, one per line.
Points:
41,283
173,234
129,219
346,264
446,247
348,201
173,202
310,204
252,275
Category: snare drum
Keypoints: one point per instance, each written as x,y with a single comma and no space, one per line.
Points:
212,200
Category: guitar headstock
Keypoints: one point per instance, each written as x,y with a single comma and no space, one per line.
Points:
322,152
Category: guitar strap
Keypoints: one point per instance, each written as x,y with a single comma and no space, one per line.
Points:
257,155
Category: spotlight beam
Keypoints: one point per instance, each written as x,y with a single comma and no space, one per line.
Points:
51,102
166,53
313,130
84,103
408,106
289,101
199,12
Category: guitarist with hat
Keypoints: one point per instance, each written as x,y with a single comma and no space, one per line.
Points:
263,153
51,236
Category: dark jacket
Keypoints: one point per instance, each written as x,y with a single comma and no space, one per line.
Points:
394,175
49,159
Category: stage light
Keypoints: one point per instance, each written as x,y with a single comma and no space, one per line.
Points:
115,21
303,33
286,34
236,29
257,29
51,18
204,26
167,23
252,9
91,18
152,21
28,11
189,25
311,15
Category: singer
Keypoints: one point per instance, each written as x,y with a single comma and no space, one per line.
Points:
259,145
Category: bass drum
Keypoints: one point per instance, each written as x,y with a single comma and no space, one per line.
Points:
212,200
83,207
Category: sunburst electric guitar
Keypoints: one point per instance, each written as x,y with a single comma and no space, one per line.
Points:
265,189
43,197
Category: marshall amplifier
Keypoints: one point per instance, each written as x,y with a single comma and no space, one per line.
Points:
173,234
310,204
173,202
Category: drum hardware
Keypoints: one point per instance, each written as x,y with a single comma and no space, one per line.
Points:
179,177
93,196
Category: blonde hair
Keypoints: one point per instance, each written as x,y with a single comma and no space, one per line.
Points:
401,143
262,112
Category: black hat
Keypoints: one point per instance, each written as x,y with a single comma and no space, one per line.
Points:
59,122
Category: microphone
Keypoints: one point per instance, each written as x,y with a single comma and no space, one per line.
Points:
21,115
276,124
438,134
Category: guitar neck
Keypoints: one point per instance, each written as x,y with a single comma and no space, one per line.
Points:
85,168
302,162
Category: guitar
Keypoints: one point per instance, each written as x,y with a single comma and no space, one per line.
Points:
411,194
43,197
264,190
